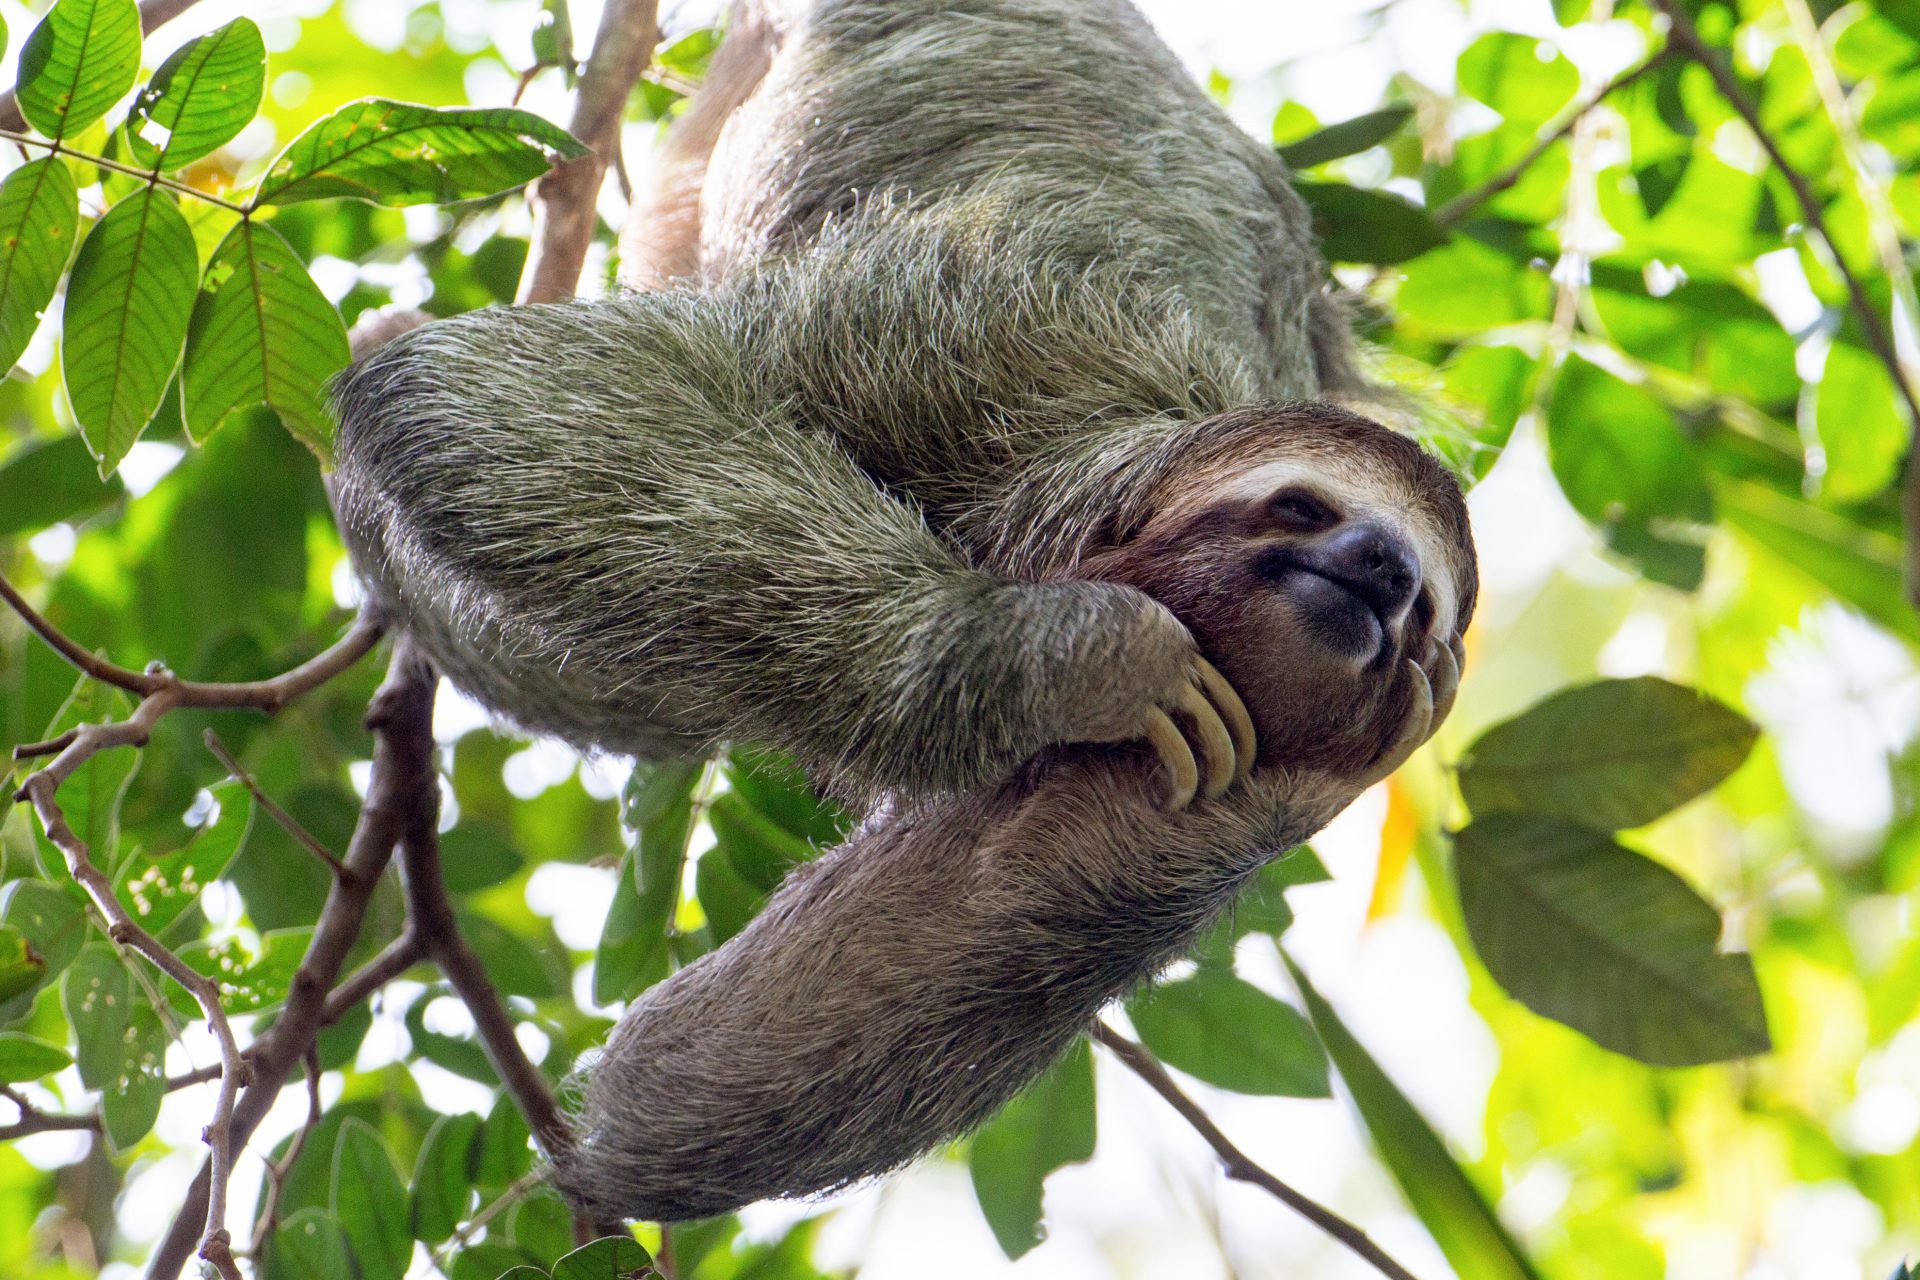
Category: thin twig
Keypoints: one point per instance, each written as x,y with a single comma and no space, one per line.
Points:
153,14
303,837
564,200
1456,209
1685,36
151,177
402,721
277,1170
124,930
1238,1166
394,959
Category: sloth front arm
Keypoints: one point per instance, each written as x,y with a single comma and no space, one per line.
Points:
600,524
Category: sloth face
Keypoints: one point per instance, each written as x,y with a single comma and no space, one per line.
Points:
1311,569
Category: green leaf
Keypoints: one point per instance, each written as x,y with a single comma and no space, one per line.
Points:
1453,1209
632,953
23,1058
460,1054
775,786
127,306
48,481
91,795
1611,754
309,1245
366,1197
760,849
262,332
54,924
398,153
477,855
1858,564
250,978
441,1189
1609,942
515,966
1861,424
1615,448
1509,74
501,1154
121,1045
654,789
608,1258
1229,1033
78,62
155,891
22,968
1356,225
199,98
1349,137
39,216
1048,1124
728,897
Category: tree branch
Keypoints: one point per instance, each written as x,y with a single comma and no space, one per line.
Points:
1456,209
564,199
401,718
1684,36
301,836
1238,1166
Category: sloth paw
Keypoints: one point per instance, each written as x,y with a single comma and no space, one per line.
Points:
1434,687
1221,730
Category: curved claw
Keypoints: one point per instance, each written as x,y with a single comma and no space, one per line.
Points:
1216,747
1226,699
1183,775
1445,679
1413,730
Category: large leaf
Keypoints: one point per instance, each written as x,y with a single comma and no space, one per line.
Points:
368,1202
398,153
121,1046
1358,225
1349,137
1230,1033
77,63
1609,942
23,1058
1862,425
22,967
1612,754
1507,72
249,978
199,98
309,1245
39,214
441,1187
49,481
262,332
1455,1212
608,1258
155,891
1615,447
1050,1124
127,307
1858,564
53,924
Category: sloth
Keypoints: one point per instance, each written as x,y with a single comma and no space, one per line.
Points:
976,445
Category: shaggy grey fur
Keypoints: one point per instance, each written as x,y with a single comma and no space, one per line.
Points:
912,479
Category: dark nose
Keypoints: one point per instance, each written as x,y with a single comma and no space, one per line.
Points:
1374,563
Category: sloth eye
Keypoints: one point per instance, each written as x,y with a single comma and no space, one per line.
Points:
1299,510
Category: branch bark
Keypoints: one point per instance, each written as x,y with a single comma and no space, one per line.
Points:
1456,209
401,719
1684,36
1238,1165
564,200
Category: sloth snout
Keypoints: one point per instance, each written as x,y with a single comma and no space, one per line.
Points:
1374,562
